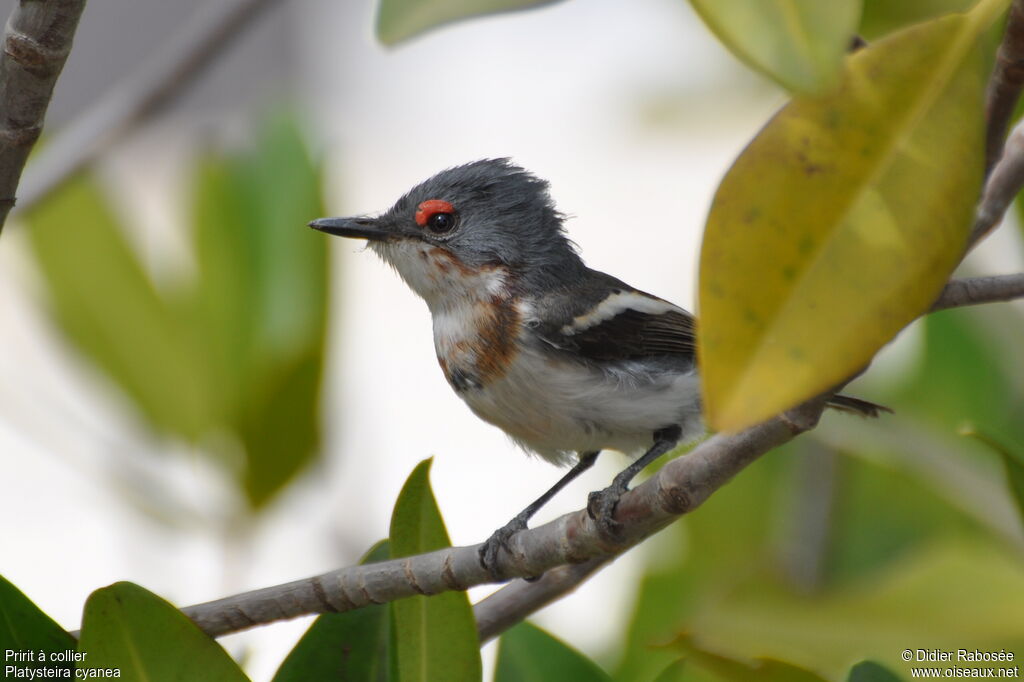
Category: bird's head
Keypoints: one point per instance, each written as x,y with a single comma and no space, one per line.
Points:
472,226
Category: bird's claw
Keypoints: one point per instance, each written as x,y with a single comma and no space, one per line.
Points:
601,508
498,541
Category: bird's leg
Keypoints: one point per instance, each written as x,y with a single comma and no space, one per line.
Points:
601,503
499,539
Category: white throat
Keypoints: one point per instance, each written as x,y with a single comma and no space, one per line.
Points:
438,277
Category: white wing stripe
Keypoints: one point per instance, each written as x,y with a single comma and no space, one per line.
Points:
614,305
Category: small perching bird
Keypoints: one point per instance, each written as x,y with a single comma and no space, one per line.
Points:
566,360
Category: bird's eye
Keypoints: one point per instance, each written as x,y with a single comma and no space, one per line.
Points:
436,215
441,222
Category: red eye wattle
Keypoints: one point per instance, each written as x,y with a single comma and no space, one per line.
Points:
430,208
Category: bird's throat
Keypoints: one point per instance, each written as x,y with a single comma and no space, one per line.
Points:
440,278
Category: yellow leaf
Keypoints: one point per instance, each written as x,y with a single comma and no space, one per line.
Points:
797,43
841,220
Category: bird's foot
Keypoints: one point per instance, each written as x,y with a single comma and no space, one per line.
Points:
601,507
498,541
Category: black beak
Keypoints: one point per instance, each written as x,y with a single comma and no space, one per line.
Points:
359,228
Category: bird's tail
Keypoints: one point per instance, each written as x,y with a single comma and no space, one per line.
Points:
853,405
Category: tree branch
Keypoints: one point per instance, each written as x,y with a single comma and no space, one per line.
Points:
210,31
978,290
37,41
1002,186
520,598
1005,84
679,487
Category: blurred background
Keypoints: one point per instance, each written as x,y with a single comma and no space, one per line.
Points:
200,395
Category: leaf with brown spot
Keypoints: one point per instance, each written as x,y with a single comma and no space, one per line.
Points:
842,220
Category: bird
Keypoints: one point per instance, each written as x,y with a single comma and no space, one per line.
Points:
566,360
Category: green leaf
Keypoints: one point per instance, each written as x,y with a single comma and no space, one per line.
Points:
869,671
881,514
261,299
961,376
760,670
282,189
885,16
130,629
797,43
224,301
842,220
399,20
281,430
677,671
1013,463
27,631
281,412
231,359
110,310
528,654
952,594
352,646
435,637
685,670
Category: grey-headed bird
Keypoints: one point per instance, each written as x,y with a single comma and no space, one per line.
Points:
566,360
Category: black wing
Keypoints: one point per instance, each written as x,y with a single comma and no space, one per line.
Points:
604,319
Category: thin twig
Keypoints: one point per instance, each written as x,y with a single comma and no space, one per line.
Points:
809,518
210,31
1001,188
37,41
1005,85
979,290
515,601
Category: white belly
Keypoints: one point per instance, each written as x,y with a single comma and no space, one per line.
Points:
556,407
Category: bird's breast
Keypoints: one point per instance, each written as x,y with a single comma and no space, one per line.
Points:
476,341
556,406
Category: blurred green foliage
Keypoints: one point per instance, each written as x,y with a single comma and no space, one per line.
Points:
962,377
718,667
230,359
